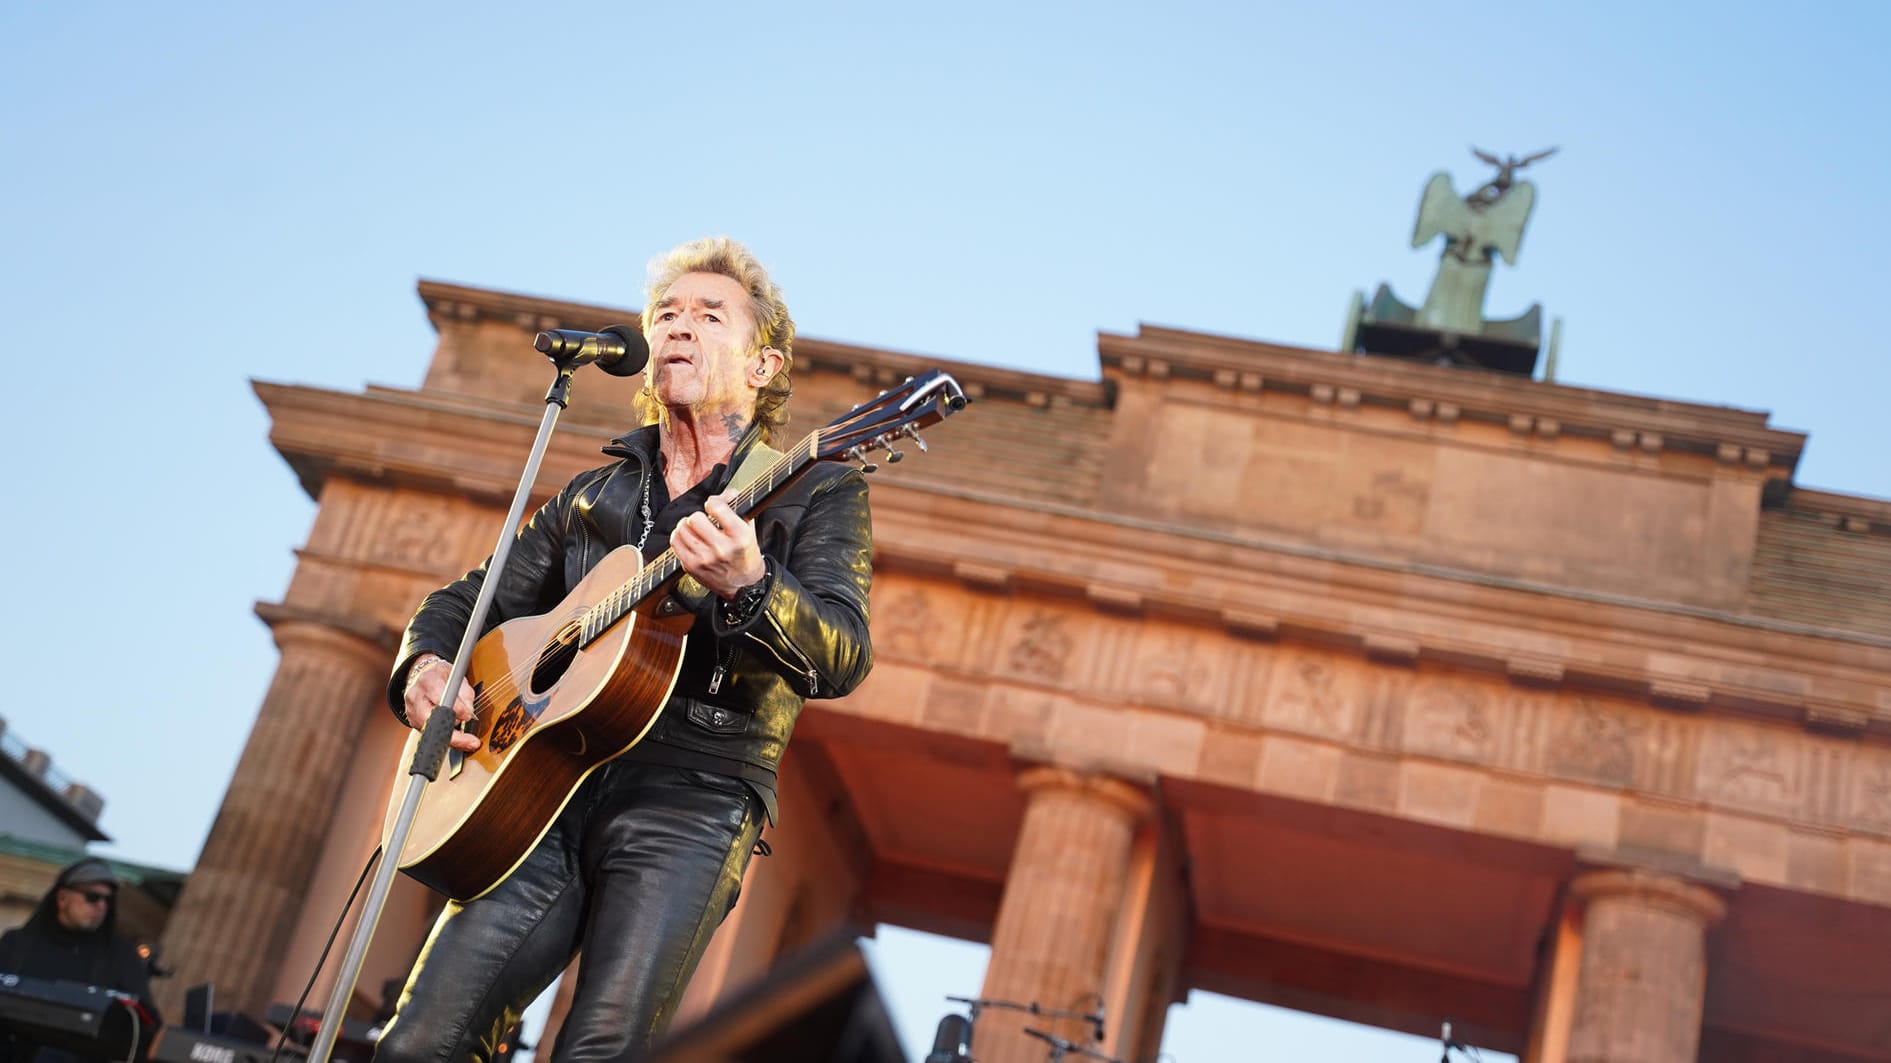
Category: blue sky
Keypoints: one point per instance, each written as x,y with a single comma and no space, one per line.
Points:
192,196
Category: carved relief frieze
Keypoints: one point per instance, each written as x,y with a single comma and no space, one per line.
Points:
1618,744
1595,742
1171,665
401,529
1041,645
1751,768
1163,665
1869,807
1451,718
416,535
1313,693
904,627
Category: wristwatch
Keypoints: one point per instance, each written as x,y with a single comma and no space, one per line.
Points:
737,610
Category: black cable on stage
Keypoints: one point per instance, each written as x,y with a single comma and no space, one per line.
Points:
295,1013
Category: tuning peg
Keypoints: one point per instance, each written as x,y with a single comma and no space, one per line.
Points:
859,453
885,441
913,434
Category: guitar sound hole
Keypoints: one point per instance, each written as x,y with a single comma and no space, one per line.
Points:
555,660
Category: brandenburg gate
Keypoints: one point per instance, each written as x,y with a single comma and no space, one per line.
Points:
1384,690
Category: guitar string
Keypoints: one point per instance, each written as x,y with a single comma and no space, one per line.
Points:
646,581
763,483
643,582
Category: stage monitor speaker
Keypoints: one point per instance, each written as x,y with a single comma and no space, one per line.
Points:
819,1005
199,1004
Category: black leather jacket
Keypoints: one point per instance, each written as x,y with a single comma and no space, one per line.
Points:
807,639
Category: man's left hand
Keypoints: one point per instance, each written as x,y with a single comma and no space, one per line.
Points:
718,548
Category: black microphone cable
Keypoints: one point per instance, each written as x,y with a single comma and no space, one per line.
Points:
295,1013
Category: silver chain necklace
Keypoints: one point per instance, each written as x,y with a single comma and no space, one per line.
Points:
649,521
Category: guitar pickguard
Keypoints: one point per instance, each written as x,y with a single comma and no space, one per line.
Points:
514,720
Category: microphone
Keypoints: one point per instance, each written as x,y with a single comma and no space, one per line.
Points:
619,350
952,1042
1446,1041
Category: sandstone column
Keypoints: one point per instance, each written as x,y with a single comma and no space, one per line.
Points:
1643,972
1056,922
241,902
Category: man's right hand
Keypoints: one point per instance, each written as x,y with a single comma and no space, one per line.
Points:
426,682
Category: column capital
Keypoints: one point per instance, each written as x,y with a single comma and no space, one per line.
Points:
1132,801
370,643
1652,888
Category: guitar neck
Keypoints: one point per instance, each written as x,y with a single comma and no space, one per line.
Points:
658,573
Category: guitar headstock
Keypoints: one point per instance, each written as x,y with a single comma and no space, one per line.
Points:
896,414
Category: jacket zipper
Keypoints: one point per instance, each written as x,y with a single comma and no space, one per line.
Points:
724,656
801,661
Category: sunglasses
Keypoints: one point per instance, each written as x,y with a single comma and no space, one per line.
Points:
95,896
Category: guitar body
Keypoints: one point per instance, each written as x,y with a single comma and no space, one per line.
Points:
547,716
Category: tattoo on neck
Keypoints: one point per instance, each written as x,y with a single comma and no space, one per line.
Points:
735,424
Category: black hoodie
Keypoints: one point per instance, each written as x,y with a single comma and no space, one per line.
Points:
42,948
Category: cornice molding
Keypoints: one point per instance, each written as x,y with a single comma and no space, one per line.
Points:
402,438
1447,395
882,368
1853,513
869,365
368,641
458,302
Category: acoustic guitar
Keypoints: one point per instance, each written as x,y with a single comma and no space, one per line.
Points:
559,694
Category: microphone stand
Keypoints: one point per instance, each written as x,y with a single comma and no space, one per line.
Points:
434,738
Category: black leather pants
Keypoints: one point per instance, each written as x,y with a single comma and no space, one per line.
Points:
639,869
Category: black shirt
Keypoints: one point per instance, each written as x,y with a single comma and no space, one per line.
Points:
667,513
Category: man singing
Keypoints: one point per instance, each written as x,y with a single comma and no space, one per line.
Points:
647,857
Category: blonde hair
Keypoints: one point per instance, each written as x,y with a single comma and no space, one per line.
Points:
773,326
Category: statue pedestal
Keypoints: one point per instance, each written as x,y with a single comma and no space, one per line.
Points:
1389,326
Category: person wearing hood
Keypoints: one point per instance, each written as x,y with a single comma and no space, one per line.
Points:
72,936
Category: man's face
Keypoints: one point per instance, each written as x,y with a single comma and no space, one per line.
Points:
702,354
83,907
